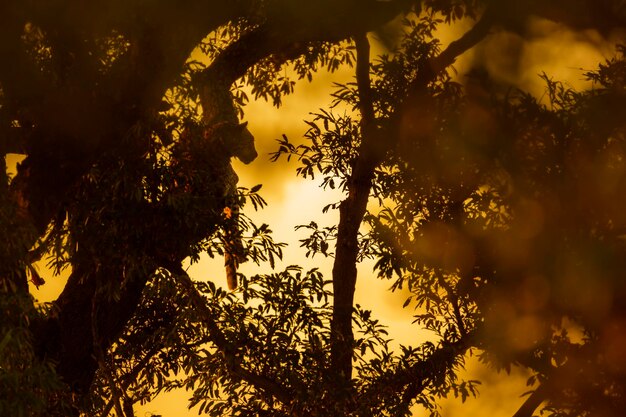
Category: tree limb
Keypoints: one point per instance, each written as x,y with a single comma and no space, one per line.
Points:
468,40
429,371
130,377
411,380
351,212
437,64
286,32
371,153
532,402
235,367
14,140
116,394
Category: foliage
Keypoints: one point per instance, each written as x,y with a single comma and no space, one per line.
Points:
28,384
502,213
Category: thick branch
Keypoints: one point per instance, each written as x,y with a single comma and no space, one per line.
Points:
67,336
103,105
14,140
532,402
371,153
351,212
287,31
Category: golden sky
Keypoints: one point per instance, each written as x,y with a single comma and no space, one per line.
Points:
293,201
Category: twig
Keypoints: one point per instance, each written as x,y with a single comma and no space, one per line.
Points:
130,377
454,300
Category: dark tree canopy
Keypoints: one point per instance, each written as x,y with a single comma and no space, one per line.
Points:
503,213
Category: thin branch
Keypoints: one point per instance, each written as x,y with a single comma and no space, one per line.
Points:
374,146
423,373
454,300
130,377
413,379
437,64
218,338
468,40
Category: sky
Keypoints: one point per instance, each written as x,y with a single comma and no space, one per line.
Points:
293,201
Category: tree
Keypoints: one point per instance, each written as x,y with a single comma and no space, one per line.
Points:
501,212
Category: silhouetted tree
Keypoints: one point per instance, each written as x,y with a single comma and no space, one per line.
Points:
503,213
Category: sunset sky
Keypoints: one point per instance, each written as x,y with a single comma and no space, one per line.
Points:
293,201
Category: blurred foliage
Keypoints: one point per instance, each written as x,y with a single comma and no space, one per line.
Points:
29,385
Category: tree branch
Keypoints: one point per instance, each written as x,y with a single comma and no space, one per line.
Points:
429,371
414,378
260,382
366,101
351,212
287,32
454,301
468,40
447,57
130,377
533,401
15,140
371,153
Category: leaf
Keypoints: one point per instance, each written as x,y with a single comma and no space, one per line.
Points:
458,11
5,340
